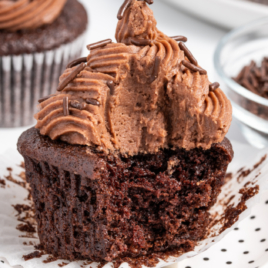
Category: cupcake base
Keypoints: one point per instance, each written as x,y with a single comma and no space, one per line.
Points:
94,206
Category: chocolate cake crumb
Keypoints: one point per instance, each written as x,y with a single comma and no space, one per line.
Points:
22,165
20,208
2,183
39,247
27,227
228,177
50,259
11,179
35,254
244,173
30,243
231,214
63,264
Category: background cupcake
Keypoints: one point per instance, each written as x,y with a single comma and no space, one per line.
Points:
37,40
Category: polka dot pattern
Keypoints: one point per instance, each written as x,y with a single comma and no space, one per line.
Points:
245,246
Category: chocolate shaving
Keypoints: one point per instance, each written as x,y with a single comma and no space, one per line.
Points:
93,102
188,53
66,106
46,98
141,42
214,86
193,68
156,69
179,38
99,44
150,2
110,84
71,76
123,9
78,105
76,62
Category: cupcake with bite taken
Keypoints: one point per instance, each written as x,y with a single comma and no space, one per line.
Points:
37,40
129,154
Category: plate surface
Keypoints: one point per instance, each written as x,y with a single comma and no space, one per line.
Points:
225,13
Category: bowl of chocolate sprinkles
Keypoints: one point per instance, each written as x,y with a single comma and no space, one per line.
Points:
241,61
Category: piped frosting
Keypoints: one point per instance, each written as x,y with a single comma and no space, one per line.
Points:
27,14
136,96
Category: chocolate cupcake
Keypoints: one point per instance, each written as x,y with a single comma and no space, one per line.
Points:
37,40
130,154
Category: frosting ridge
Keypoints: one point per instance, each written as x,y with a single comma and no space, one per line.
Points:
26,14
137,96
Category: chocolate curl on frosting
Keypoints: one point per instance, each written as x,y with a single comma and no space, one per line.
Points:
193,67
99,44
188,53
123,9
66,106
76,62
214,86
179,38
71,76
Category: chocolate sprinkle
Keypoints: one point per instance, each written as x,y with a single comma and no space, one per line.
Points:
255,78
77,105
93,102
193,67
156,68
46,98
141,42
188,53
66,106
71,76
110,84
179,38
76,62
123,9
214,86
148,1
99,44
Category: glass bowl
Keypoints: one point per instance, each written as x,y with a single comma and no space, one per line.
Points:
234,51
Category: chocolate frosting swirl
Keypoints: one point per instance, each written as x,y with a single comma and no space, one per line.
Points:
27,14
154,102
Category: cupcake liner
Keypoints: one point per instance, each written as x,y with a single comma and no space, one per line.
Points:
13,246
26,78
